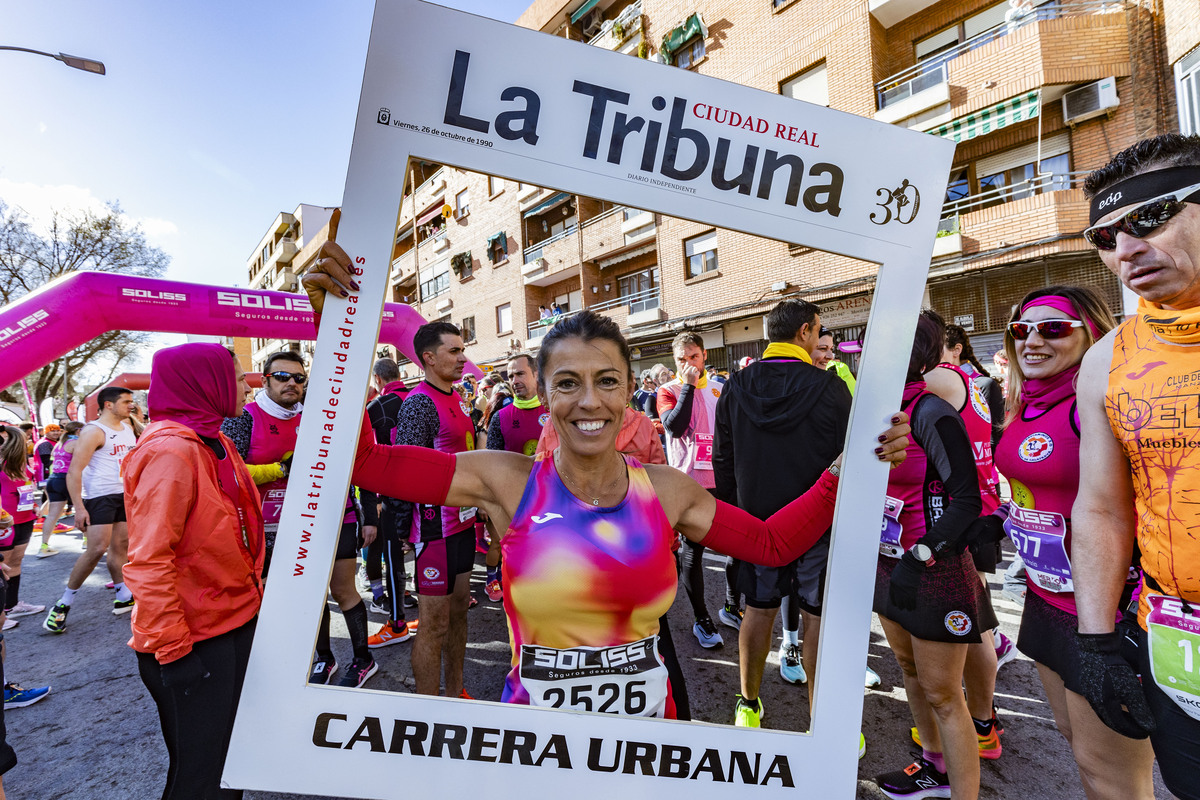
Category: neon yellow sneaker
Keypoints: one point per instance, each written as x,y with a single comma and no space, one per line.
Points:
746,715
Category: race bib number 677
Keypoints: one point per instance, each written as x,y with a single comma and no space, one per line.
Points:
625,679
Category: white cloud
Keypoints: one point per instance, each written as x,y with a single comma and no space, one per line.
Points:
39,202
41,127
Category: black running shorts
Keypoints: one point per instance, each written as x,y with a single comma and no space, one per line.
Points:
439,562
952,604
56,489
105,510
765,587
1048,637
1177,739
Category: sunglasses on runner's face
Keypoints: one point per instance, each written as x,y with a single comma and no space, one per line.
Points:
1141,221
283,377
1047,328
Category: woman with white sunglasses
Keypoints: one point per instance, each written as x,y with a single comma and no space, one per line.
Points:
1038,452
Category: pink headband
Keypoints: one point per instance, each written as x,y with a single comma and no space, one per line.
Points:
1063,304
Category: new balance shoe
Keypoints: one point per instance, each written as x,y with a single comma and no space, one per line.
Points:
494,592
746,715
872,679
322,670
45,551
23,609
358,672
122,606
706,634
56,620
730,616
16,697
390,634
790,668
1006,651
918,780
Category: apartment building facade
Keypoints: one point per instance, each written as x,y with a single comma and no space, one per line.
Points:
1036,94
282,255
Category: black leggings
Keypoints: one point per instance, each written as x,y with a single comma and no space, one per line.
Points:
666,649
691,570
196,726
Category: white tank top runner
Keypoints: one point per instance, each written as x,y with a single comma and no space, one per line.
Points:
102,475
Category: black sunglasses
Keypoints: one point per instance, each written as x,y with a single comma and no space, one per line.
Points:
1047,328
1141,221
283,377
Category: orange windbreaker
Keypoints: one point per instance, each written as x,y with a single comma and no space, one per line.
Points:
195,561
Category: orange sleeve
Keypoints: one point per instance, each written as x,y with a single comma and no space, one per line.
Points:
665,399
548,439
160,493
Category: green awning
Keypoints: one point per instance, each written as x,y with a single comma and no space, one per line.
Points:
692,27
583,9
1009,112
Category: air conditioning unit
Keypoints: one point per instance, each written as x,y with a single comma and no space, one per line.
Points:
1090,101
592,22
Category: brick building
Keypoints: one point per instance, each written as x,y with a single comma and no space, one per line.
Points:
1036,94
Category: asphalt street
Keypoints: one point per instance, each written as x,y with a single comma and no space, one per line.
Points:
96,736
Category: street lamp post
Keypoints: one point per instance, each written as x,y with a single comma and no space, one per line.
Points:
85,64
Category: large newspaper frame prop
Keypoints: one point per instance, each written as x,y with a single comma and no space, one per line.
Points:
486,96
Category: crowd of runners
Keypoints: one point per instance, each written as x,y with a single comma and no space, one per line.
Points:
591,493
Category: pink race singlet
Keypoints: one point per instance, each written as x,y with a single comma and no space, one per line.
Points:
1040,458
584,589
456,434
60,459
522,427
977,416
270,441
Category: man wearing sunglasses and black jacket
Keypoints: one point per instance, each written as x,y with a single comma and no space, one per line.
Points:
1139,409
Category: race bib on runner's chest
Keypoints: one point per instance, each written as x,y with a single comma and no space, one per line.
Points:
889,537
704,450
271,509
25,497
1040,537
1174,635
625,679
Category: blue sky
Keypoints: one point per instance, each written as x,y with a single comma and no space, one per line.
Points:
213,117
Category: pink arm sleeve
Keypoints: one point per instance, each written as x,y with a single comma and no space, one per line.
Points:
415,474
784,536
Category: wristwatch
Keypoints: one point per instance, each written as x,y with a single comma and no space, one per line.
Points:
922,553
283,466
835,470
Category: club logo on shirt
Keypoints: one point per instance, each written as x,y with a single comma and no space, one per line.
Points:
432,573
543,419
958,623
466,409
980,404
1036,447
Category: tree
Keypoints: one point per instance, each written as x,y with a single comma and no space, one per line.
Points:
74,241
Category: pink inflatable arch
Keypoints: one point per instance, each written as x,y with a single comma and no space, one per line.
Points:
65,313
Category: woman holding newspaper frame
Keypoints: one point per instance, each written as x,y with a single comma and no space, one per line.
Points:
587,531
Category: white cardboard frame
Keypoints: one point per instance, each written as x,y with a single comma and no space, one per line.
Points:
294,737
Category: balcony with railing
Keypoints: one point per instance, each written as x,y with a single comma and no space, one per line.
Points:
632,310
551,260
431,189
617,232
1046,212
404,265
1053,44
623,33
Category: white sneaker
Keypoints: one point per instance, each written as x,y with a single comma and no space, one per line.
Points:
9,624
23,609
790,668
872,679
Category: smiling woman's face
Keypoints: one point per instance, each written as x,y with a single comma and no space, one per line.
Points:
586,389
1040,358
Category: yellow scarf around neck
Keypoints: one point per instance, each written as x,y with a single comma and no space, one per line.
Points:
787,350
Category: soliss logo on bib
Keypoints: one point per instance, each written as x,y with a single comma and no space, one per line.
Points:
1036,447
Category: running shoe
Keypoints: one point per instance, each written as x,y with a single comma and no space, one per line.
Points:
918,780
987,734
1006,651
9,624
122,606
23,609
706,634
862,746
56,620
472,602
872,679
110,584
790,668
377,607
494,591
358,672
730,616
16,697
746,715
322,670
45,551
410,600
389,634
464,696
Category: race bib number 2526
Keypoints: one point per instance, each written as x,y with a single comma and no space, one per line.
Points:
623,679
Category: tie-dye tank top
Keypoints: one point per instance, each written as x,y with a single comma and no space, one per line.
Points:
577,575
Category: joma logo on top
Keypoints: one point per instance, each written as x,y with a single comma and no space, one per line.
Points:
655,150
